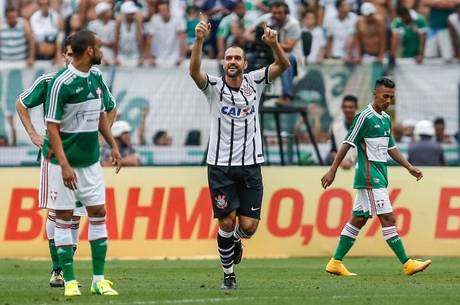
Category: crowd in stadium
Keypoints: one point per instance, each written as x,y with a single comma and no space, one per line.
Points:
153,32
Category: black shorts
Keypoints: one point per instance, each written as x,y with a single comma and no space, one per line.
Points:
236,188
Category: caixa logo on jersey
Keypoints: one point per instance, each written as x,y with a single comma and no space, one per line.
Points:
238,112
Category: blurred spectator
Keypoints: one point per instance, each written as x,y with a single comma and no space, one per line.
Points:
128,36
440,130
408,131
72,24
165,44
425,151
16,39
214,11
104,27
121,132
327,10
454,30
150,10
162,138
397,132
370,35
340,129
192,19
289,36
408,35
438,40
224,34
86,9
340,30
47,29
237,37
193,138
318,41
3,141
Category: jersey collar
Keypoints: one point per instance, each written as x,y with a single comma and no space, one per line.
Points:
78,72
374,112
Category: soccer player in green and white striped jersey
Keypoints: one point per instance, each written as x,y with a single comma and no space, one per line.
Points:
33,97
370,134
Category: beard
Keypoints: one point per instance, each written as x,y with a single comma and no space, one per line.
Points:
236,73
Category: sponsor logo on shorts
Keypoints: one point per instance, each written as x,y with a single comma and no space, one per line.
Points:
221,201
254,209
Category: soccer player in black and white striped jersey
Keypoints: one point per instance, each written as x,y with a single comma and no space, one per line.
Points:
235,146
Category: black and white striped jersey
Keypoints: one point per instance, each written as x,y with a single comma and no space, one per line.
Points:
235,138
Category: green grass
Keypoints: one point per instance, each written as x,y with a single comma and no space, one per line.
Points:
262,281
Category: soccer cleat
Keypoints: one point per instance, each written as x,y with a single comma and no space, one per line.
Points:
413,266
338,268
57,278
237,252
229,281
71,289
103,287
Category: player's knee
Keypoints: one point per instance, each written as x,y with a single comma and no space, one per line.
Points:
65,215
387,220
249,229
96,211
227,223
358,221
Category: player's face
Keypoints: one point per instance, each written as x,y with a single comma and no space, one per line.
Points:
383,97
234,62
68,55
96,54
349,110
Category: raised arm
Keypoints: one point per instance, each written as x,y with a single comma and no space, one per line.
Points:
202,30
281,63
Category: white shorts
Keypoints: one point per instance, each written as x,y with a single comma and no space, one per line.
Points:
53,194
371,202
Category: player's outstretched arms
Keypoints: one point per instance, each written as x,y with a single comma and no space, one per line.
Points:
270,37
329,177
202,31
24,115
107,134
396,155
68,174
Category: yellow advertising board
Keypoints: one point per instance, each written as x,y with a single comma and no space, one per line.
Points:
166,212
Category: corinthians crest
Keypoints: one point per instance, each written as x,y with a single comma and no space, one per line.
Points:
246,90
221,201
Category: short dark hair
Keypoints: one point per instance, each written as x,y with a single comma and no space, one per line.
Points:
278,3
402,11
10,8
338,3
350,98
67,42
80,41
158,136
439,120
385,82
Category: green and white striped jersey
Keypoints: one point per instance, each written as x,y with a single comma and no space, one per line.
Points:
75,100
370,134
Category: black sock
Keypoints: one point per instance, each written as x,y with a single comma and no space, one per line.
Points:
225,243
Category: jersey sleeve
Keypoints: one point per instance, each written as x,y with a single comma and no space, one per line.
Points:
391,143
55,100
35,95
356,132
209,87
260,77
108,100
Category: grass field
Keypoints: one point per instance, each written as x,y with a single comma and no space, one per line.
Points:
283,281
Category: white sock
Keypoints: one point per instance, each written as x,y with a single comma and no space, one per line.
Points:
97,228
50,225
62,233
97,278
75,231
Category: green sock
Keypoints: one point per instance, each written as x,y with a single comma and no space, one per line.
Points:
54,255
66,259
397,246
98,253
345,244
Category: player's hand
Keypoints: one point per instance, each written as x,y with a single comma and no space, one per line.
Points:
69,177
115,158
202,30
415,172
270,36
327,179
37,140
